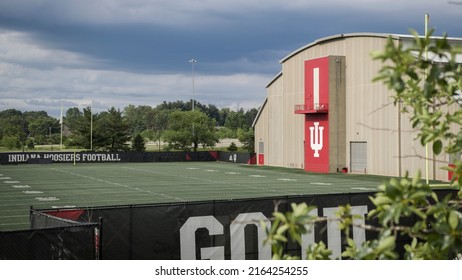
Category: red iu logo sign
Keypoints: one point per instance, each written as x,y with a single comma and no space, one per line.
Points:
317,116
316,138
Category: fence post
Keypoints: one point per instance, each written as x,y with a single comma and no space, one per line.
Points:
99,240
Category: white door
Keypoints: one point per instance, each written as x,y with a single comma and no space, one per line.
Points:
358,157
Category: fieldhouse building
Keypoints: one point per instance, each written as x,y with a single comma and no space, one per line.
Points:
323,113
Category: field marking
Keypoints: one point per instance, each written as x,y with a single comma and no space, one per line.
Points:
31,192
287,180
364,189
15,224
118,184
322,184
5,178
21,186
11,182
49,198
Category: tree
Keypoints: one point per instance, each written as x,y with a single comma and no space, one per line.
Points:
190,128
247,138
80,127
11,142
139,118
223,115
138,143
22,128
14,126
213,112
232,147
235,120
72,117
250,116
42,127
425,90
112,132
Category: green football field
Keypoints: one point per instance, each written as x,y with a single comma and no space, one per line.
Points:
84,185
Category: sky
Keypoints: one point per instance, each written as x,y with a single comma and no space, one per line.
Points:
120,52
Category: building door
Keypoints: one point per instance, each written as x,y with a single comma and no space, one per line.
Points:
358,157
261,153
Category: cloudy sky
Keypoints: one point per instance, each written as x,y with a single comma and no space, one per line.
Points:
120,52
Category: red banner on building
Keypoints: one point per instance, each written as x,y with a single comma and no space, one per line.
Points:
317,118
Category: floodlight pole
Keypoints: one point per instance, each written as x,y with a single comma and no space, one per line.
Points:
51,140
192,61
91,125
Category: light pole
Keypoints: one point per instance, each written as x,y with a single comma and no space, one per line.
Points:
192,61
91,125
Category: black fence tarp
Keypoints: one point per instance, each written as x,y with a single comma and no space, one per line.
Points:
87,157
52,238
61,243
228,229
235,157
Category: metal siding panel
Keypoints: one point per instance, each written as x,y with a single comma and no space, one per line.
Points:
371,116
275,141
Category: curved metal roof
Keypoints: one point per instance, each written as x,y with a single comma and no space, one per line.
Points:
359,34
336,37
278,75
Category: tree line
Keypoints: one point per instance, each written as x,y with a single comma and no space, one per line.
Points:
173,124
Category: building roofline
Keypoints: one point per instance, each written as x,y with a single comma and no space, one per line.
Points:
335,37
274,79
359,34
259,112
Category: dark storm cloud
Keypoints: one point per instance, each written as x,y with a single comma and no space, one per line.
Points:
120,52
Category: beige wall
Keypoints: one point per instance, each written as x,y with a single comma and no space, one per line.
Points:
370,113
279,129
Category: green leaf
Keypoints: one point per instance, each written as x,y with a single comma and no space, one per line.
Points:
419,213
437,147
413,75
453,220
381,200
386,244
416,178
280,216
418,195
282,229
280,238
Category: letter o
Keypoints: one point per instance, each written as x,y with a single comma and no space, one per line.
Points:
237,228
